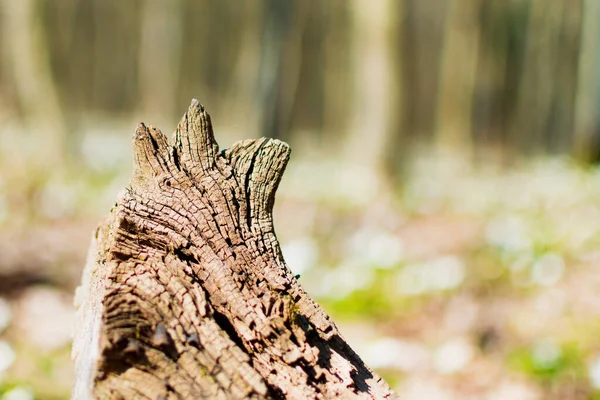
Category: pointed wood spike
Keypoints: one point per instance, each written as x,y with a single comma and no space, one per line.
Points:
150,153
194,139
268,170
259,164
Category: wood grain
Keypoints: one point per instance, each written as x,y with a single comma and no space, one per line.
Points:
186,294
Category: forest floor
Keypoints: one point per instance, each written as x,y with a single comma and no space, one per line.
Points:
464,283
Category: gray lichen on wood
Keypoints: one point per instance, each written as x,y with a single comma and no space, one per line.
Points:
186,294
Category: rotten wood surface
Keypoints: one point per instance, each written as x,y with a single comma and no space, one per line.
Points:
186,295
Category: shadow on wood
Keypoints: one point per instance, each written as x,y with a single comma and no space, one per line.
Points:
186,295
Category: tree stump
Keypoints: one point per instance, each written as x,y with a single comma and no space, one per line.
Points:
186,295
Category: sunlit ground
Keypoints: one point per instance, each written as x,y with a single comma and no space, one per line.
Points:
467,283
463,283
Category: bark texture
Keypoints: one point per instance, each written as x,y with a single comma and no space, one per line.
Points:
186,295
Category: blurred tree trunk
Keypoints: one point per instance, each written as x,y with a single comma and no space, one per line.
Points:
376,78
558,130
458,71
115,46
397,145
336,74
281,60
537,86
159,58
199,46
497,79
587,101
492,61
186,294
421,41
241,92
308,108
29,65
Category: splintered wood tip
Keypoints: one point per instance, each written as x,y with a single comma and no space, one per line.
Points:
196,104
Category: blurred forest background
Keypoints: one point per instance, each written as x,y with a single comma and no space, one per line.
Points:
442,201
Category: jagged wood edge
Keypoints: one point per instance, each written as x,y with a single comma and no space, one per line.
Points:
245,160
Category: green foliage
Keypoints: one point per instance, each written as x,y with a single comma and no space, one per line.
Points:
371,302
549,362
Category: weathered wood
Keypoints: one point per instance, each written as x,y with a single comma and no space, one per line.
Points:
186,295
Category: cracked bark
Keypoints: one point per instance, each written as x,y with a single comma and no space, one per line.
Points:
185,293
